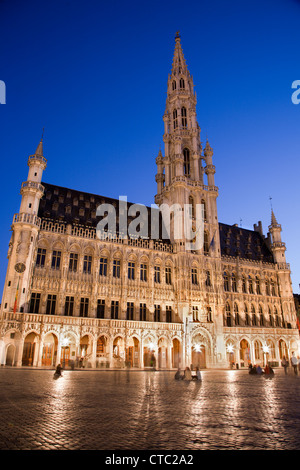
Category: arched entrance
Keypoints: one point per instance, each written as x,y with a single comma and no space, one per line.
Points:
199,357
283,350
245,355
85,351
230,354
118,352
132,352
162,353
10,355
68,350
49,350
258,351
176,356
149,353
101,352
29,349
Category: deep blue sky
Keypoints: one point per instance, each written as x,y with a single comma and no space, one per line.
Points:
94,74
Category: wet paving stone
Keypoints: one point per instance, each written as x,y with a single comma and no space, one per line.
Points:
148,410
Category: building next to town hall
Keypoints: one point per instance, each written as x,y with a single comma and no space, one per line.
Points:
74,297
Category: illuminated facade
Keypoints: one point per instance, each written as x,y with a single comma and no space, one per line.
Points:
74,298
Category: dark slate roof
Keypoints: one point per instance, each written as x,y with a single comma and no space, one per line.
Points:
70,206
236,241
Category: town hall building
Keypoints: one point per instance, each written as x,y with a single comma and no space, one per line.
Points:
113,301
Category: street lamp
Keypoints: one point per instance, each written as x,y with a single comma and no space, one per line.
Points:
230,350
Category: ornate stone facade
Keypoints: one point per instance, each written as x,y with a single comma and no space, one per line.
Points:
72,297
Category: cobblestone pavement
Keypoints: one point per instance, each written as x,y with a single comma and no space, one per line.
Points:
102,410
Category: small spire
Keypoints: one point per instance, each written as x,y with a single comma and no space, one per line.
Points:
273,219
39,150
179,64
207,147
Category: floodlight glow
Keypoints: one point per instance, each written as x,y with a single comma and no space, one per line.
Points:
230,348
266,349
197,347
65,342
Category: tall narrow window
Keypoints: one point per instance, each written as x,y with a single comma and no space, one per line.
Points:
174,85
35,302
69,306
168,275
194,276
208,279
114,309
103,267
84,307
143,312
273,292
258,291
206,243
56,257
204,210
250,284
168,314
253,315
247,317
228,315
195,313
116,268
175,119
87,264
131,267
261,316
40,257
233,282
183,118
130,311
157,274
209,314
244,285
181,83
226,282
101,308
156,312
236,314
73,262
186,162
51,304
143,272
191,207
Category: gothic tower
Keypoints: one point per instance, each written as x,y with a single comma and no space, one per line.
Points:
180,173
25,229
